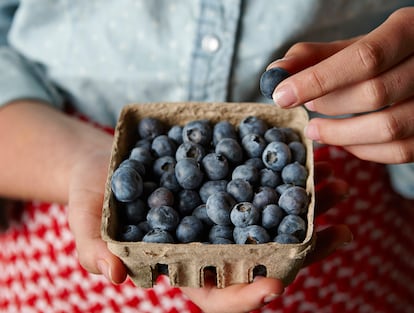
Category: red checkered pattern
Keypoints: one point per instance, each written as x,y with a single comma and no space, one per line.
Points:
39,271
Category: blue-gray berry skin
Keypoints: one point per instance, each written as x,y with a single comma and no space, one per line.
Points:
163,164
198,131
231,149
246,172
264,196
143,155
143,143
219,206
158,236
272,215
189,174
136,165
131,233
187,201
286,239
270,79
293,225
176,134
255,162
148,188
144,226
253,145
252,125
126,184
270,178
223,129
240,190
298,151
190,229
274,134
163,146
201,213
253,234
294,200
282,188
220,234
295,174
163,217
211,187
135,211
150,127
160,197
290,134
276,155
190,150
244,214
169,181
215,166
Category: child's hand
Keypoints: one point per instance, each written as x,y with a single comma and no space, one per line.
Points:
355,76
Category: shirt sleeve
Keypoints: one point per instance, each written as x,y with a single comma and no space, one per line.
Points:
19,77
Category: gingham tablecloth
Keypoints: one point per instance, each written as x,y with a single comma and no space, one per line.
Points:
39,270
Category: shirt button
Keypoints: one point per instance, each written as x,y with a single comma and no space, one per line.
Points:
210,43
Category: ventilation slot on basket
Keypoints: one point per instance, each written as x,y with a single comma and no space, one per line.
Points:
259,270
159,269
210,275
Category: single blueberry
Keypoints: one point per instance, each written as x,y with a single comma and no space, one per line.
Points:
293,225
135,211
144,143
252,125
162,165
255,162
136,165
126,184
276,155
158,236
270,178
223,129
298,152
143,155
253,234
163,146
290,134
272,214
244,214
246,172
274,134
253,145
201,213
176,134
264,196
150,127
286,239
210,187
282,188
294,200
270,79
295,174
216,166
169,181
163,217
219,206
188,173
198,131
231,149
190,229
190,150
220,234
240,190
131,233
187,201
160,197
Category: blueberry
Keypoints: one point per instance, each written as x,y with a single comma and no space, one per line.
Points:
274,134
272,214
126,184
246,172
223,129
240,190
163,217
176,134
276,155
158,236
215,166
131,233
210,187
252,125
293,225
144,226
290,134
136,165
144,143
295,174
244,214
282,188
270,178
270,79
190,150
253,234
255,162
163,164
169,181
253,145
149,127
187,201
231,149
188,173
264,196
294,200
198,131
190,229
160,197
143,155
219,206
163,146
286,239
298,152
135,211
220,234
201,213
148,188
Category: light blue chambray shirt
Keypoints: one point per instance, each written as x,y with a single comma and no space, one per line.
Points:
100,55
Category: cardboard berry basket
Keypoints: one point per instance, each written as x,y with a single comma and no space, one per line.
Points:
187,263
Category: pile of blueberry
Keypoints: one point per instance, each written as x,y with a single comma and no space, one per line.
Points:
213,183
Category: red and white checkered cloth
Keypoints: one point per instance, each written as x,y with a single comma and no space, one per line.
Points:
39,270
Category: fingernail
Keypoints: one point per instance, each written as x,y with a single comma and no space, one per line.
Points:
103,267
275,62
284,96
312,132
310,105
270,297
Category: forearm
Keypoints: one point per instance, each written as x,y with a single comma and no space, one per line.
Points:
39,146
